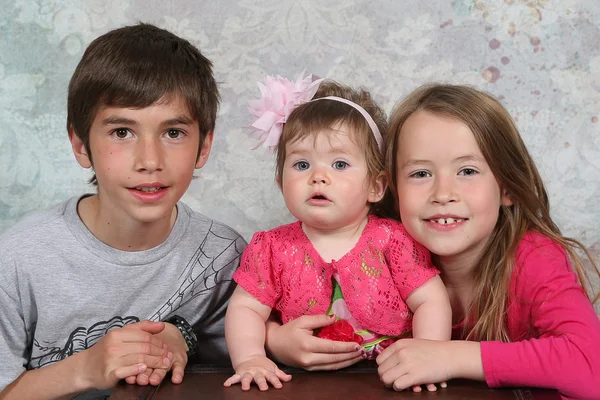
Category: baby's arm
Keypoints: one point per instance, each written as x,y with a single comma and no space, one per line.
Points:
245,335
430,305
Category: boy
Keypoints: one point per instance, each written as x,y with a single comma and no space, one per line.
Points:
79,278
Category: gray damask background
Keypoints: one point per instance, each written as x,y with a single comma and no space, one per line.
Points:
541,57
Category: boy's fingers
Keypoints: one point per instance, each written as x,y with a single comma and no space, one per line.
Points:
157,376
177,372
127,370
149,360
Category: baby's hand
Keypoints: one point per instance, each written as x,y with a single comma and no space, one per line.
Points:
260,370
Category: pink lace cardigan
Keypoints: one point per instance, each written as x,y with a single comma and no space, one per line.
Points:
282,270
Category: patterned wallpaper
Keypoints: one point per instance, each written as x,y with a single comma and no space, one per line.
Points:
541,57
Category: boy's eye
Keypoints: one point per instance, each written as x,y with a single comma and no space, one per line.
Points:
340,165
174,133
302,165
121,133
467,172
420,174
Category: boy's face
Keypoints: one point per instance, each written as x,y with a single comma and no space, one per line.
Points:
144,159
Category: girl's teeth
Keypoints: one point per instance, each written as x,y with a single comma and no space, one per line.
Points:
445,221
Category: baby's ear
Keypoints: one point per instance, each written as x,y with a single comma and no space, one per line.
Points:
278,182
378,188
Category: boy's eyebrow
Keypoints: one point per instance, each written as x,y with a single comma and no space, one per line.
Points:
116,120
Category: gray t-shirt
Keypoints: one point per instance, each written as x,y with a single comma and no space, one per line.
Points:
61,289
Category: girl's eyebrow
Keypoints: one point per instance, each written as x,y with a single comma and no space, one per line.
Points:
468,157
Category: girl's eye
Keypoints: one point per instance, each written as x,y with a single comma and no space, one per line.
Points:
340,165
467,172
174,134
121,133
302,165
420,174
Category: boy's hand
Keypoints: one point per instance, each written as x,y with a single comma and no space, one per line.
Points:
295,345
260,370
414,362
175,343
122,352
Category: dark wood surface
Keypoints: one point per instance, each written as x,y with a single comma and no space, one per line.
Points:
358,383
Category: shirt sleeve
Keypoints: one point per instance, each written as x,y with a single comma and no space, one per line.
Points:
566,352
410,262
256,273
13,336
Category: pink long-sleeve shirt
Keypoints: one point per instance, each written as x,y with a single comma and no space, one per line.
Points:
554,329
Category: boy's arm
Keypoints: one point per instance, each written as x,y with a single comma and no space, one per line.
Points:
432,314
245,336
120,353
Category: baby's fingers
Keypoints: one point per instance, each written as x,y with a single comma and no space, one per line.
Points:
232,380
282,375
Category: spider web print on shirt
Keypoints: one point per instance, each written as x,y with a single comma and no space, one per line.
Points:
198,283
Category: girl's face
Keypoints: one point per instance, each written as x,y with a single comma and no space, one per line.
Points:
325,180
449,199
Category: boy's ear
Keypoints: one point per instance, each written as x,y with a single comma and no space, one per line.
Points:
378,188
506,198
205,150
79,149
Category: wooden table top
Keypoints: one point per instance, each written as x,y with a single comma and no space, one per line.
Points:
205,382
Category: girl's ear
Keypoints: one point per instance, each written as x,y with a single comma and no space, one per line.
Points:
81,154
378,188
506,198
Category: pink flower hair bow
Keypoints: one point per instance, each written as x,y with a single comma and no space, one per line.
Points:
279,97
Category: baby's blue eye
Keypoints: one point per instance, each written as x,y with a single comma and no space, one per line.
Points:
302,165
340,165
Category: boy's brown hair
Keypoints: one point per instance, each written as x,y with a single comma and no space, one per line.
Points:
137,66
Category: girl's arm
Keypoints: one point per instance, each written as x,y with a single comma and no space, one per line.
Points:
565,353
245,336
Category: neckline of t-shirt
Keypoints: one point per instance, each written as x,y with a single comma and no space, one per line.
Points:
121,257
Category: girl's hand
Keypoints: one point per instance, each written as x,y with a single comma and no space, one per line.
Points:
295,345
173,341
414,362
260,370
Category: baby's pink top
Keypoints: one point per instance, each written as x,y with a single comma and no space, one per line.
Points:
282,270
553,327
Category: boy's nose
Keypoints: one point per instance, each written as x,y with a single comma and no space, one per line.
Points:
149,155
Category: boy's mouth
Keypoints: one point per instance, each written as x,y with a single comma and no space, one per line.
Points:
149,189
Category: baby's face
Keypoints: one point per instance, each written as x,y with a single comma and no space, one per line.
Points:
325,180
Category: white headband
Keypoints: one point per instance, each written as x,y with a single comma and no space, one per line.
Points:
364,113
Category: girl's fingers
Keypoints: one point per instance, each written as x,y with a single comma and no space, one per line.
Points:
431,387
443,385
327,346
334,366
417,389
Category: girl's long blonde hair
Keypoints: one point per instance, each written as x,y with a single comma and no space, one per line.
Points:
515,170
